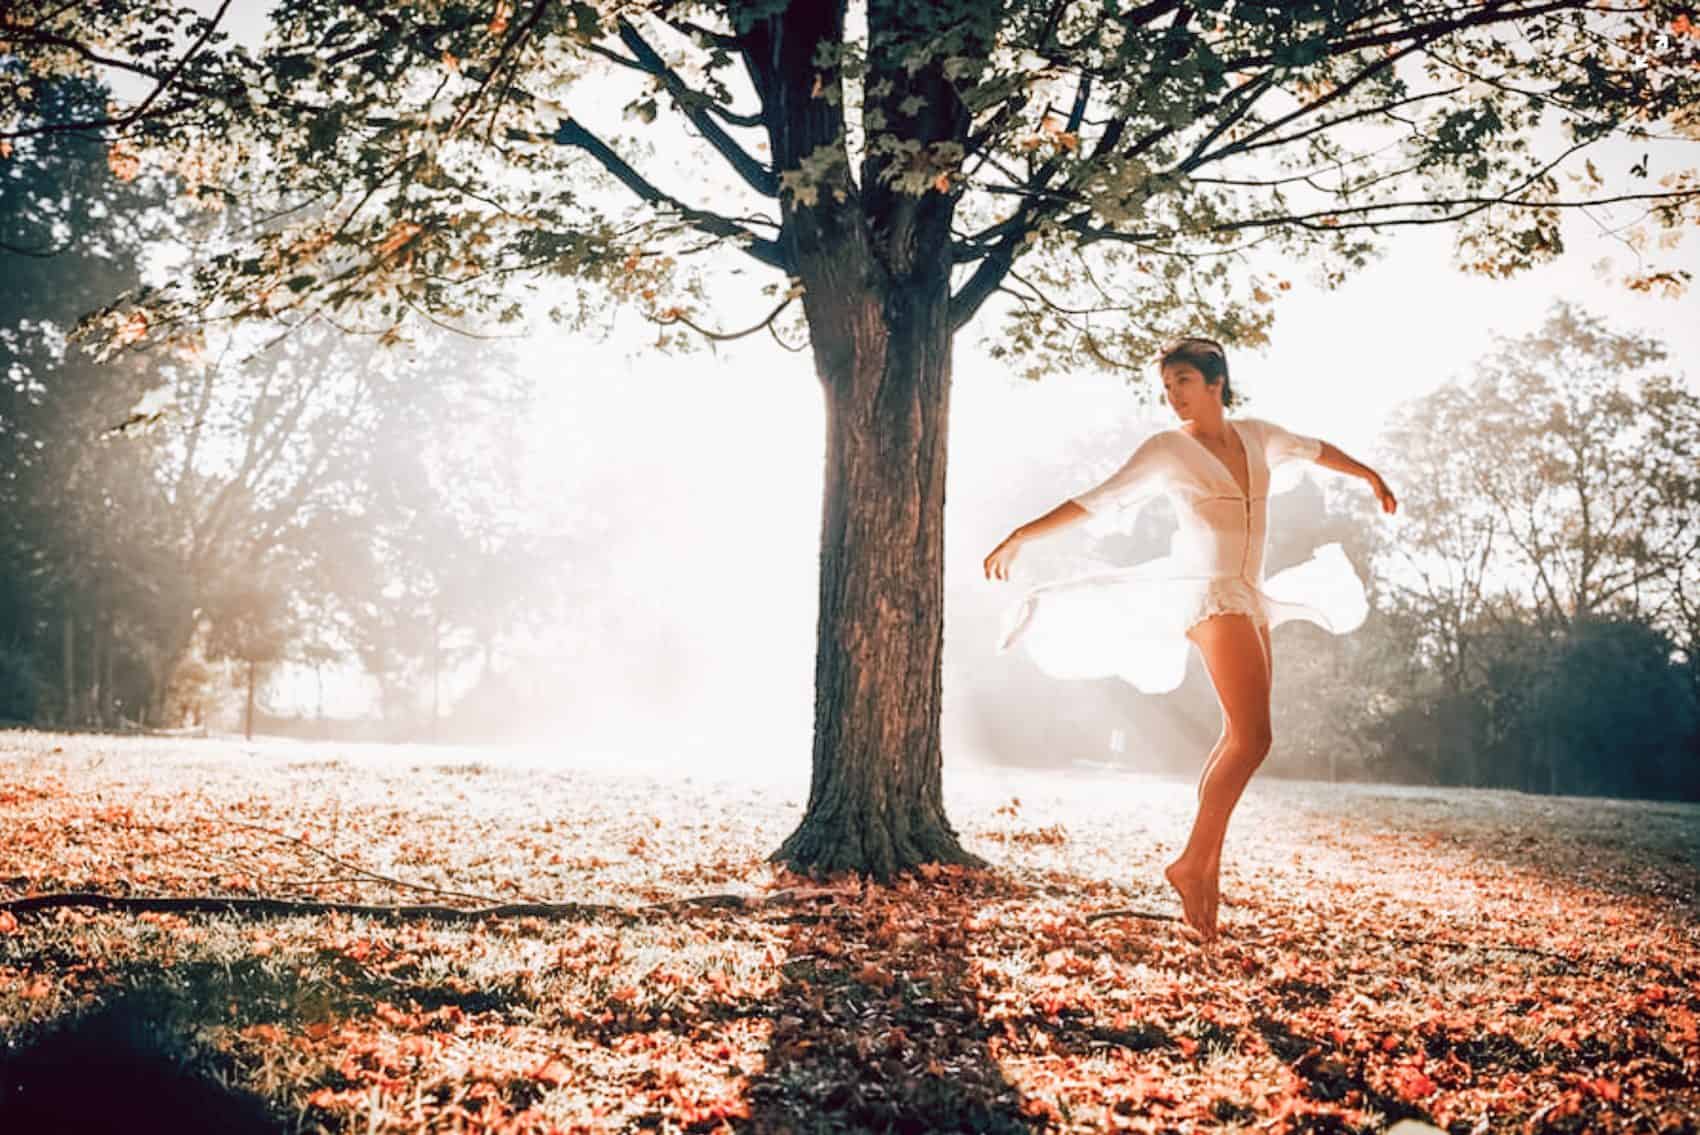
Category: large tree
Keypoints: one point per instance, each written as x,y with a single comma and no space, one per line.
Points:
1111,171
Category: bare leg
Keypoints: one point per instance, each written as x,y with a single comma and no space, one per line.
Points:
1222,741
1234,652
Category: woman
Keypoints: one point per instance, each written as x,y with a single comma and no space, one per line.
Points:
1209,591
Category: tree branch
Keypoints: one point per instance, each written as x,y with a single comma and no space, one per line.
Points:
570,133
998,261
1198,158
1487,14
760,177
725,336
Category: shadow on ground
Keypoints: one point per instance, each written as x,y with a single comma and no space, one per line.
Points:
877,1026
120,1070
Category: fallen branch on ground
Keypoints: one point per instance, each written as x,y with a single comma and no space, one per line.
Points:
281,837
1149,915
264,907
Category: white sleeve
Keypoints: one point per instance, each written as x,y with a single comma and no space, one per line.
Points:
1281,446
1143,476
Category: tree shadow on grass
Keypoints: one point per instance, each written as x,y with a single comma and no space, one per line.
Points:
137,1063
1634,849
876,1026
124,1068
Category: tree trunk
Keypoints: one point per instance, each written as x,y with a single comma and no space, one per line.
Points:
248,717
875,802
111,712
436,674
159,697
92,715
68,714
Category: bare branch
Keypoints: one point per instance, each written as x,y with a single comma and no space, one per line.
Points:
760,177
171,76
570,133
1493,13
725,336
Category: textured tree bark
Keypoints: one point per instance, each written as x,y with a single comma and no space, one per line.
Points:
874,262
875,803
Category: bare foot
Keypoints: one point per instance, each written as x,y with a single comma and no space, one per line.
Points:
1213,873
1198,896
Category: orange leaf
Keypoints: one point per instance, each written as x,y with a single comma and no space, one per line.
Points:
327,1099
8,922
400,235
1412,1084
133,329
552,1071
123,162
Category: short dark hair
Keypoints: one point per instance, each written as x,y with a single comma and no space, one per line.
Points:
1205,354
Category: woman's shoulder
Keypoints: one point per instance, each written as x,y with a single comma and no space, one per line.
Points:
1157,441
1259,428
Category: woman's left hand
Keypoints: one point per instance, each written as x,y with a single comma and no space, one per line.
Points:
1382,493
1003,557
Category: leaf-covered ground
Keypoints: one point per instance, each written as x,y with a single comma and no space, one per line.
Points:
1481,961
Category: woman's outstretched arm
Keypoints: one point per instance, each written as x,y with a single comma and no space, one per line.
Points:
1141,476
1332,457
1064,515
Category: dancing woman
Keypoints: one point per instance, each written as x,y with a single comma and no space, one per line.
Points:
1210,591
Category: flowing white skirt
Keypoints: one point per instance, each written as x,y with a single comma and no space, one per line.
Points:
1131,623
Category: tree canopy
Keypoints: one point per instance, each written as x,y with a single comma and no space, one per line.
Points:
1106,166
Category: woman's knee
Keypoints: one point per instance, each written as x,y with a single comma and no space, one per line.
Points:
1251,739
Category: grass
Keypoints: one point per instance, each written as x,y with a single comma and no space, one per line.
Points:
1482,961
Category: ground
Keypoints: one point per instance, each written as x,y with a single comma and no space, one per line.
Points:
1482,961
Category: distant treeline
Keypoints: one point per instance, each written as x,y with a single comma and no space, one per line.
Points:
183,514
1538,615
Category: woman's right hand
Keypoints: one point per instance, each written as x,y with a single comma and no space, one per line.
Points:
1002,557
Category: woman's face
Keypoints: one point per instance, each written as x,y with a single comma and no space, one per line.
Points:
1186,390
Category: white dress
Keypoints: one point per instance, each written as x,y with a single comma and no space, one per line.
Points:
1132,622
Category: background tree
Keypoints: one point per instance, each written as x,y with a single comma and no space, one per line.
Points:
251,624
140,491
1532,633
1117,172
75,517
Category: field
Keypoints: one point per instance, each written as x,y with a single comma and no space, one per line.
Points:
1481,961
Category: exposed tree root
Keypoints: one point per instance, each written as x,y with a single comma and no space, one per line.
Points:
1150,915
284,908
826,848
